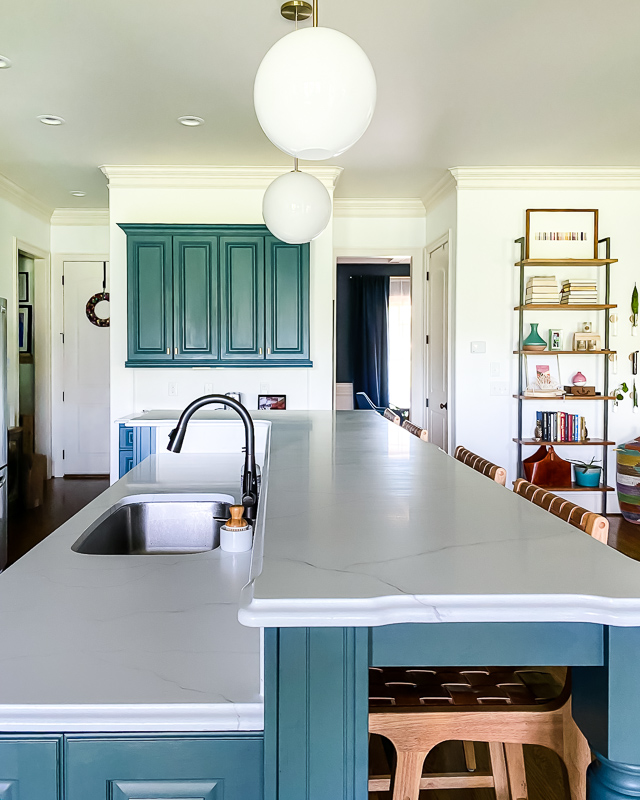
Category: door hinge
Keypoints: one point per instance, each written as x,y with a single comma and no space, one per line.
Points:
63,454
427,276
63,397
427,403
63,280
62,334
426,339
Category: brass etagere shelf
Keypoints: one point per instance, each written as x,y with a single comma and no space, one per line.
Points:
603,442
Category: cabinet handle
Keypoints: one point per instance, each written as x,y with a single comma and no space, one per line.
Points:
168,350
260,351
175,351
268,351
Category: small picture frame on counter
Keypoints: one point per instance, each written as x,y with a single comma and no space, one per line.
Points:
272,402
555,339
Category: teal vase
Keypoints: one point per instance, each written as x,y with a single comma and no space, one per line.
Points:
534,341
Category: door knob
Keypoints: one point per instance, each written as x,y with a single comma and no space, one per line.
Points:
443,405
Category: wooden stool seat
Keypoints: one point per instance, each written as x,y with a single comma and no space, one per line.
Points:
416,430
388,414
493,471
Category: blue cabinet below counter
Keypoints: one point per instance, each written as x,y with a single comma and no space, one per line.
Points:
136,443
223,766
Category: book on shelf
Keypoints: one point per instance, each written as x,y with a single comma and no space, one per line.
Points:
556,393
559,426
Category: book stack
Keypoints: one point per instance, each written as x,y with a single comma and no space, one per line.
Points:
579,292
558,426
542,290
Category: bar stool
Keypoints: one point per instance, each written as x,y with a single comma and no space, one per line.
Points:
493,471
388,414
416,430
406,705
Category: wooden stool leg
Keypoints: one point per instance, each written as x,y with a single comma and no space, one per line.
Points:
576,756
514,754
470,756
499,769
406,782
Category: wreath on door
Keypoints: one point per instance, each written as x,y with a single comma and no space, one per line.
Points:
94,319
90,310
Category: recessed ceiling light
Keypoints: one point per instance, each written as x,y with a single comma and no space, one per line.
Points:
191,122
5,62
50,119
78,193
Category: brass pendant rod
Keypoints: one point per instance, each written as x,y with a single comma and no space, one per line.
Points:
315,13
295,165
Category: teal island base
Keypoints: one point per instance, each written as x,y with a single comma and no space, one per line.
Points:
316,695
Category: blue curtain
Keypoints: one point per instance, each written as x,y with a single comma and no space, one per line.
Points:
369,346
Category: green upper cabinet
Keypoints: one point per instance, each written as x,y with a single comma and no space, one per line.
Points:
216,295
150,298
195,297
242,297
286,300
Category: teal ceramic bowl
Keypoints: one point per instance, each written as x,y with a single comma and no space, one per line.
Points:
587,477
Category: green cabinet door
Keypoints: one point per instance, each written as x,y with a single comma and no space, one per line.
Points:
150,298
195,297
207,767
242,298
286,300
30,767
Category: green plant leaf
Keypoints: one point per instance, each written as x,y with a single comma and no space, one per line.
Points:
634,300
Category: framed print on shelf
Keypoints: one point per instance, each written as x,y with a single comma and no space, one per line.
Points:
272,402
543,375
559,233
555,339
23,287
25,329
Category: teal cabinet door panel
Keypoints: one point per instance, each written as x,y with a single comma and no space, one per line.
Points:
207,767
30,768
195,295
286,300
165,790
242,297
150,298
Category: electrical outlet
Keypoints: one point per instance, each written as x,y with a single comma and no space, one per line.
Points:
264,388
494,369
173,389
499,389
208,388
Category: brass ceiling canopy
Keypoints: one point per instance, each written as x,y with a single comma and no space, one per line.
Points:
296,10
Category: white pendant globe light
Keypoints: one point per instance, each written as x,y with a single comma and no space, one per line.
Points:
315,93
296,207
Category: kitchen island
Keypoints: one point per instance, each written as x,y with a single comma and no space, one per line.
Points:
371,548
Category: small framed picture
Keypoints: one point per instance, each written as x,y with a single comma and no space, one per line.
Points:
559,233
23,287
555,339
272,402
583,342
25,329
543,372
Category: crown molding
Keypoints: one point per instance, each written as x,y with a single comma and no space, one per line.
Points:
80,216
179,177
546,177
378,207
446,184
16,195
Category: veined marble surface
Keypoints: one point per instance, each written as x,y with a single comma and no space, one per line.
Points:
130,643
367,525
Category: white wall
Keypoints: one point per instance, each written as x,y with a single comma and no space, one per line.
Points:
392,235
488,222
133,390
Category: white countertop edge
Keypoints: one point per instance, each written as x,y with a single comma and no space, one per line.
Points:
130,718
376,611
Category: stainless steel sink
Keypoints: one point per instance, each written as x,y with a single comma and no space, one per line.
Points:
136,526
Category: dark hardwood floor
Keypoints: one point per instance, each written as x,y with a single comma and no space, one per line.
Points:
62,499
545,772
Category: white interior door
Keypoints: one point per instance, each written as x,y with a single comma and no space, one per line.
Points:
86,373
437,349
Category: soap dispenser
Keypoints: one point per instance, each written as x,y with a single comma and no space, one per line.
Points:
236,536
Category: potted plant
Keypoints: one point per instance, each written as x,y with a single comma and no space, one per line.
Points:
587,474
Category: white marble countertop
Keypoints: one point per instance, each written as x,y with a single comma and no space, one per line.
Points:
130,643
367,525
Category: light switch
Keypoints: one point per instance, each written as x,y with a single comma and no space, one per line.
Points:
173,389
264,388
478,347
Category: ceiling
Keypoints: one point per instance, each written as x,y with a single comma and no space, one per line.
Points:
472,82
